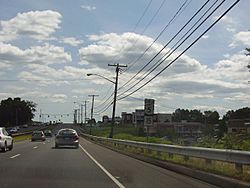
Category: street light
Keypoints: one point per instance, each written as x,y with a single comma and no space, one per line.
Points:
114,102
102,77
115,92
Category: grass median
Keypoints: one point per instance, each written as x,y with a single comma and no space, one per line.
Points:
22,138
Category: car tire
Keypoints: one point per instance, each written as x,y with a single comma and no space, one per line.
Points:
56,146
4,149
11,146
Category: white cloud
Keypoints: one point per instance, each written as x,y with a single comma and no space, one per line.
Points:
186,78
46,54
88,8
83,91
35,24
233,68
126,48
61,98
72,41
230,23
205,36
242,37
5,66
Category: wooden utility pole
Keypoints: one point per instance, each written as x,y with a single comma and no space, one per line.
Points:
115,94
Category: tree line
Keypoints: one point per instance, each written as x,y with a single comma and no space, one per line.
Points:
210,119
15,112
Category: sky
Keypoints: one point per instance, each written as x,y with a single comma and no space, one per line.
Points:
47,48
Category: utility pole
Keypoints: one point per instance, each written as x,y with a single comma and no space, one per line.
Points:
81,114
78,115
85,113
115,94
92,111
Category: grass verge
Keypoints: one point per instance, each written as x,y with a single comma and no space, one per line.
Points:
21,138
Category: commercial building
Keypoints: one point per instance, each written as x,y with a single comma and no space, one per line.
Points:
127,119
239,126
182,129
138,118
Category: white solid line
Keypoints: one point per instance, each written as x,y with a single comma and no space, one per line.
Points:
35,147
103,169
15,156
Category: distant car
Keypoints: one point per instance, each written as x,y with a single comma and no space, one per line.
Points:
67,137
48,133
38,135
6,141
17,127
13,130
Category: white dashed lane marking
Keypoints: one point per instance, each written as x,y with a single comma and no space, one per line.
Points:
103,169
14,156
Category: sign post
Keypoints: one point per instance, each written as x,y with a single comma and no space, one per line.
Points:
148,115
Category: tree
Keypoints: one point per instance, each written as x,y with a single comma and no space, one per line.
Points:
212,117
240,113
16,111
189,116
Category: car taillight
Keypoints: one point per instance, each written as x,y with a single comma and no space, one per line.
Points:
76,137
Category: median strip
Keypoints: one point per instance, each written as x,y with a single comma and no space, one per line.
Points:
103,169
15,156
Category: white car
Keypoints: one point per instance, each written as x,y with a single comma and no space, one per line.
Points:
6,141
13,130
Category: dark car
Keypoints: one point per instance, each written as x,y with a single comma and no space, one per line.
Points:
67,137
48,133
38,135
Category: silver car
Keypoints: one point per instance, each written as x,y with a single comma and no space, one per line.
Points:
6,141
38,135
67,137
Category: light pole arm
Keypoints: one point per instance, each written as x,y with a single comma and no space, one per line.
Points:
102,77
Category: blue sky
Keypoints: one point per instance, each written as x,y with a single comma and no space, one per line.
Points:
48,47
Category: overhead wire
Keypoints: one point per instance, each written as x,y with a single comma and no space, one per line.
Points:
203,33
156,63
158,36
136,25
146,27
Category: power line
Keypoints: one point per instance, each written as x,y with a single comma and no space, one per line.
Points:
146,27
136,25
40,80
217,20
154,65
107,100
104,109
159,35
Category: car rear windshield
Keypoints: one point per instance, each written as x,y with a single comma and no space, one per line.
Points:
67,132
37,134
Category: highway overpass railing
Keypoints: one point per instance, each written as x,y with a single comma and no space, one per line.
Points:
238,158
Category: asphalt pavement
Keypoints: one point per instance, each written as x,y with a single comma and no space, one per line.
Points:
39,164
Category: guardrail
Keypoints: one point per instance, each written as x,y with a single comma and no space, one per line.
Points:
239,158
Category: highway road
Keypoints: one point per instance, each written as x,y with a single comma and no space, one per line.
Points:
39,164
